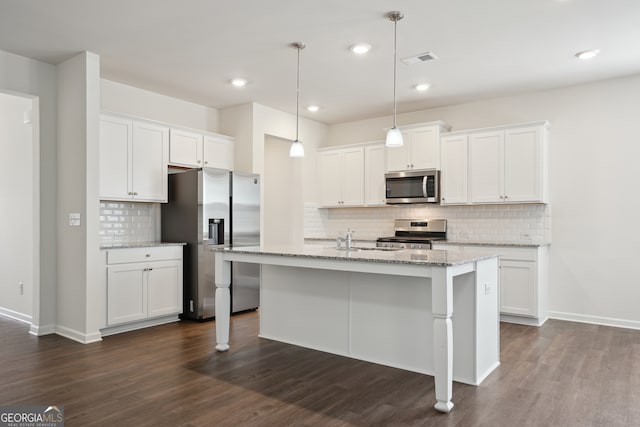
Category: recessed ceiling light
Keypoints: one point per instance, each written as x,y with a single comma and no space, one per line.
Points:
360,48
239,82
313,108
587,54
422,86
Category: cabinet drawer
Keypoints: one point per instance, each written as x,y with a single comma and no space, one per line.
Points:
120,256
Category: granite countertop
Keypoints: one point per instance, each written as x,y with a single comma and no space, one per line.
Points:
377,255
522,244
137,245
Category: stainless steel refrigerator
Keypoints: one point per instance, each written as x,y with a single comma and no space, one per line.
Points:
209,209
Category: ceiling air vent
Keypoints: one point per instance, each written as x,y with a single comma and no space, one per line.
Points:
422,57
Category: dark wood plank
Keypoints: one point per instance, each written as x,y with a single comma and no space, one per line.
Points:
562,374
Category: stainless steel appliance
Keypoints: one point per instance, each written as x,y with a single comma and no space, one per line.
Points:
210,209
416,186
414,234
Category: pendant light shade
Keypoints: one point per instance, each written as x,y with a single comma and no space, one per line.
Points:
394,136
297,150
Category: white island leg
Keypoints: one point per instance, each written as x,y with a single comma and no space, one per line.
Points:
223,301
442,306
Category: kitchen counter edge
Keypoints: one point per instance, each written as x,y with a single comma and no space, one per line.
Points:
432,258
446,242
138,245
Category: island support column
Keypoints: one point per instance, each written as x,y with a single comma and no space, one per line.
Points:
223,301
442,309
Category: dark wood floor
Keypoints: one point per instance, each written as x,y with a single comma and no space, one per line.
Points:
562,374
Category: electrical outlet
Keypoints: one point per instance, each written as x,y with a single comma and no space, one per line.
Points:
21,288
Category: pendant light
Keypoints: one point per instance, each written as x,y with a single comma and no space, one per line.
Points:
394,136
297,150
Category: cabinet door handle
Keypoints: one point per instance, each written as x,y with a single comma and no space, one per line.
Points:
147,255
149,269
199,161
206,162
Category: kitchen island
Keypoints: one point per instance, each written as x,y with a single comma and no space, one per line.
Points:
433,312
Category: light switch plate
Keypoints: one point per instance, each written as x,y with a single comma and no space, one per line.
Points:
74,219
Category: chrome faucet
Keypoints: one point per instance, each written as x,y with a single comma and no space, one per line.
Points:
339,241
348,239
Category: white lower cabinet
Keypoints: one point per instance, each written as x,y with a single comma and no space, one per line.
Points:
518,288
143,283
523,280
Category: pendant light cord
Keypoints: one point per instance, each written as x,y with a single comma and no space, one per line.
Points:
395,65
298,93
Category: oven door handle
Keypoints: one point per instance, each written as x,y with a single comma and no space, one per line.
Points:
424,186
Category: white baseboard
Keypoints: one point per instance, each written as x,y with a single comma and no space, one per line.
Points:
42,330
595,320
24,318
528,321
139,325
78,336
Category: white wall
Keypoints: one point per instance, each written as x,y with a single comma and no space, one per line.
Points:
20,75
121,98
265,121
16,222
593,150
282,183
79,267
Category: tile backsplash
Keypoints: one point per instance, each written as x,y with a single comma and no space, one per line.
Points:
488,223
129,222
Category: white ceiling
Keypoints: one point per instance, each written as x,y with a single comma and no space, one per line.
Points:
190,49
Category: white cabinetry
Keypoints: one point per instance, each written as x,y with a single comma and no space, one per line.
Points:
421,148
523,280
133,160
197,149
495,165
507,166
143,283
341,177
374,167
453,177
185,148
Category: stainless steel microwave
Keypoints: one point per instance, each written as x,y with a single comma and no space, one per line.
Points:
416,186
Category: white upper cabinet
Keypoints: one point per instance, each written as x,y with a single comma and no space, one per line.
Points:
341,177
523,165
486,167
115,145
421,149
374,182
192,149
185,148
504,165
454,163
217,152
133,160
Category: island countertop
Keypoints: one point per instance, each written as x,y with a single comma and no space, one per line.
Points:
440,258
392,307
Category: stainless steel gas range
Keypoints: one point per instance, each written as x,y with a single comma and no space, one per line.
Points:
414,234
